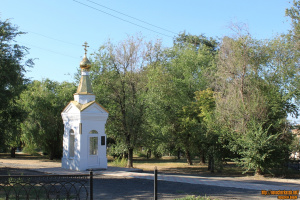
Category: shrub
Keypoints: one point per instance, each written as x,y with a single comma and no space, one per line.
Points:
30,150
119,162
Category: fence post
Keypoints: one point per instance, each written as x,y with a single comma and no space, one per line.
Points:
91,185
155,183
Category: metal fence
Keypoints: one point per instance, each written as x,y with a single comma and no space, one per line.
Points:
47,187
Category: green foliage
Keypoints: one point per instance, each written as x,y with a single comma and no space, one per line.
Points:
209,142
197,42
289,54
12,81
43,127
119,162
257,148
117,149
172,83
141,155
294,14
118,75
254,96
30,149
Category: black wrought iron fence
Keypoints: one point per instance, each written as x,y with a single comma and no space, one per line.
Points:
47,187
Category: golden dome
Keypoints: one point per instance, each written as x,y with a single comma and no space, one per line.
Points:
85,63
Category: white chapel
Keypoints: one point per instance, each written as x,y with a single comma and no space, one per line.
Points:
84,140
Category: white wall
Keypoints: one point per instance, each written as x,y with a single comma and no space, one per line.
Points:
93,118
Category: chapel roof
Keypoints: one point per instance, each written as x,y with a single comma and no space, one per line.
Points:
85,86
82,107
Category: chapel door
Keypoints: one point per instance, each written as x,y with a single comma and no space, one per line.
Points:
93,148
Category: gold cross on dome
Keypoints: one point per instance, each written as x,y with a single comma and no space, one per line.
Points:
85,47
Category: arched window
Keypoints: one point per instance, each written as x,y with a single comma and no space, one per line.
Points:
71,143
93,132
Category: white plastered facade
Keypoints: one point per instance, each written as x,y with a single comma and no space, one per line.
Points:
84,124
84,139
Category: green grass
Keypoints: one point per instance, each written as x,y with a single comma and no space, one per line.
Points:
118,162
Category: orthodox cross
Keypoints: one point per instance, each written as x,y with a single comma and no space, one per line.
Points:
85,47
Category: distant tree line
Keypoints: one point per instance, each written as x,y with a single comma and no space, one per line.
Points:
216,99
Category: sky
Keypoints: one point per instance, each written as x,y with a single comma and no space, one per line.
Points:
57,29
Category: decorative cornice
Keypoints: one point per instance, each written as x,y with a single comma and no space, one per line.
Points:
82,107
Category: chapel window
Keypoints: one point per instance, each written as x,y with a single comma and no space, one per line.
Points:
93,145
93,132
71,143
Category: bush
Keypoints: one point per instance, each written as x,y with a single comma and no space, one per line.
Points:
119,162
30,150
141,155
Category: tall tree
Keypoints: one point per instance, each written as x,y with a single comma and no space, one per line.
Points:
43,127
252,101
119,79
287,47
294,14
172,83
12,80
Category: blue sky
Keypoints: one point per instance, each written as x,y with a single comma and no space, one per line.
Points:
58,28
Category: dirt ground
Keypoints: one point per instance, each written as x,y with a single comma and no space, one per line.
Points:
25,161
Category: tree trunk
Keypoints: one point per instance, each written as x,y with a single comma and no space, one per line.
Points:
212,169
13,152
130,158
148,154
178,154
258,171
202,158
188,157
211,164
51,156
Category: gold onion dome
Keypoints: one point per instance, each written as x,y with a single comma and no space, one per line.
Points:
85,63
85,86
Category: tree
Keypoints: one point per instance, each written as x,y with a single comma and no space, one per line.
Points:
12,81
119,78
257,148
172,83
252,100
294,14
197,41
289,52
208,141
43,127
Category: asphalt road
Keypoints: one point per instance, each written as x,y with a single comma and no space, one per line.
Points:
131,188
111,187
